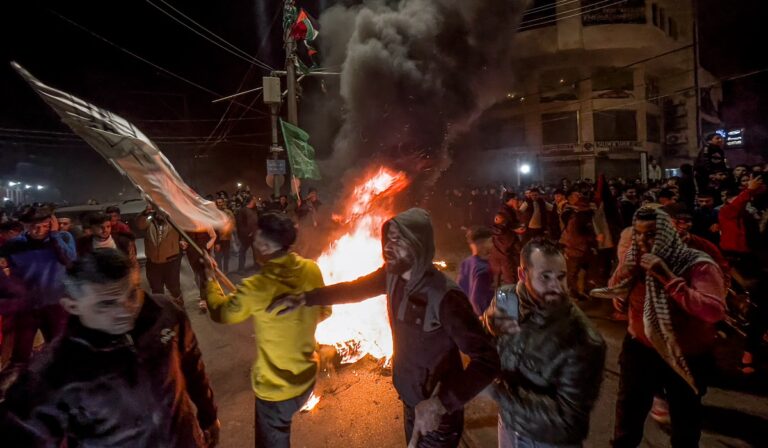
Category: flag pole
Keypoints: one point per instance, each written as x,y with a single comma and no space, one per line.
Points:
222,277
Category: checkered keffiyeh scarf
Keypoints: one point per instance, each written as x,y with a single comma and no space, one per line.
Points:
657,321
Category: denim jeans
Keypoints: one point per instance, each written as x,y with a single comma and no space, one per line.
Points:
272,423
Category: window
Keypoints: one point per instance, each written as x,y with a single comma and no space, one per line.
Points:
560,128
673,33
539,14
653,128
655,14
613,83
662,18
615,125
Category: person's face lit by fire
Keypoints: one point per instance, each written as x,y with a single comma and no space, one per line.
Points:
705,201
102,231
544,276
645,235
109,307
398,254
559,198
683,226
65,224
574,198
744,182
114,217
220,204
39,230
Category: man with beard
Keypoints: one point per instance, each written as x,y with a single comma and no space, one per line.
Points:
676,295
432,321
552,357
127,372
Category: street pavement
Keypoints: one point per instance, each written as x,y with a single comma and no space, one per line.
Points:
359,406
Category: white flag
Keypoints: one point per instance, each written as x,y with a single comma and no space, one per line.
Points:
134,155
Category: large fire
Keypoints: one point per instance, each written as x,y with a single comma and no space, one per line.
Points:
360,328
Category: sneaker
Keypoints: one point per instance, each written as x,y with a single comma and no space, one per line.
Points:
660,411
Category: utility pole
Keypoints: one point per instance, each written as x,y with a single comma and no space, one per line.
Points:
695,8
289,15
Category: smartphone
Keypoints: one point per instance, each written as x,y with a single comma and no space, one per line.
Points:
507,301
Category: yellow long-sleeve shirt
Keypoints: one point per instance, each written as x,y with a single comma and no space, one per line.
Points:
286,362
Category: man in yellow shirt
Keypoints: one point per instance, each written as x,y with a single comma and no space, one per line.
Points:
283,374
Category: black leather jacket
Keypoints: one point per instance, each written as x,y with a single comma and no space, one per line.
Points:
551,373
132,390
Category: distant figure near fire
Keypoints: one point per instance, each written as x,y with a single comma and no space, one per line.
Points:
431,321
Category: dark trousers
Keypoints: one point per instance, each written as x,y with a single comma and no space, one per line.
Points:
50,320
575,265
643,374
447,435
165,275
511,439
197,264
272,420
222,255
245,246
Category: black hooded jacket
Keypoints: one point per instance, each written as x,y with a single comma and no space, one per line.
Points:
135,390
432,321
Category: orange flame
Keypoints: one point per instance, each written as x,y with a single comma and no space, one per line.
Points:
360,328
312,401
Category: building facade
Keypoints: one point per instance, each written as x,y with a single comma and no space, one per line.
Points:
601,87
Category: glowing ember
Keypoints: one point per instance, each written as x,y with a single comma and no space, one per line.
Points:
311,403
440,264
360,328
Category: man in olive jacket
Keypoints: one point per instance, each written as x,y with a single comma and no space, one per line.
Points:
551,355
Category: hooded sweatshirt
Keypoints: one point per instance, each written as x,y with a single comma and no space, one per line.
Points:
431,319
286,362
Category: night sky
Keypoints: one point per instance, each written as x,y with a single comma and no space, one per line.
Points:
65,56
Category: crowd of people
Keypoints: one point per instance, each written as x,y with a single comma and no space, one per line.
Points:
121,366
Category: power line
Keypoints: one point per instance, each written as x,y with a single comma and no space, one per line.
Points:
562,13
98,36
230,48
247,74
551,6
524,27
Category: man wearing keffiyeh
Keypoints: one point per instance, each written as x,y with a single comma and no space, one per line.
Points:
675,297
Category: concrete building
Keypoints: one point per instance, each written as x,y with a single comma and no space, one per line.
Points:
602,86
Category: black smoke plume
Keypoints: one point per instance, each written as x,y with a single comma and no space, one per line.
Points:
414,75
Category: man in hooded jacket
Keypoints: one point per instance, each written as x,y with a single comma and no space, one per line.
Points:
431,320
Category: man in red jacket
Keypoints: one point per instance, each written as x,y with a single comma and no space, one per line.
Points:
676,296
733,218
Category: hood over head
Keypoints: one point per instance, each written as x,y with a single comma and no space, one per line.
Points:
416,227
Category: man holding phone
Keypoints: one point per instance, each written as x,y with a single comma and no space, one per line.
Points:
551,355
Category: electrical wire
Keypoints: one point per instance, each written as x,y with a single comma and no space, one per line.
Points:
562,13
164,70
551,6
247,74
232,49
524,27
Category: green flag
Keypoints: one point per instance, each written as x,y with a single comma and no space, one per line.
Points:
301,155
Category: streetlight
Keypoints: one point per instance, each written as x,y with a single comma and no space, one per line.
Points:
12,184
525,168
40,187
239,185
27,187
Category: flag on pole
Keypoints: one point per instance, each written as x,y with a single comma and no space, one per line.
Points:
301,155
304,30
130,151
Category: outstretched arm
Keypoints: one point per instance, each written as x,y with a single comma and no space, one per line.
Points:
357,290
